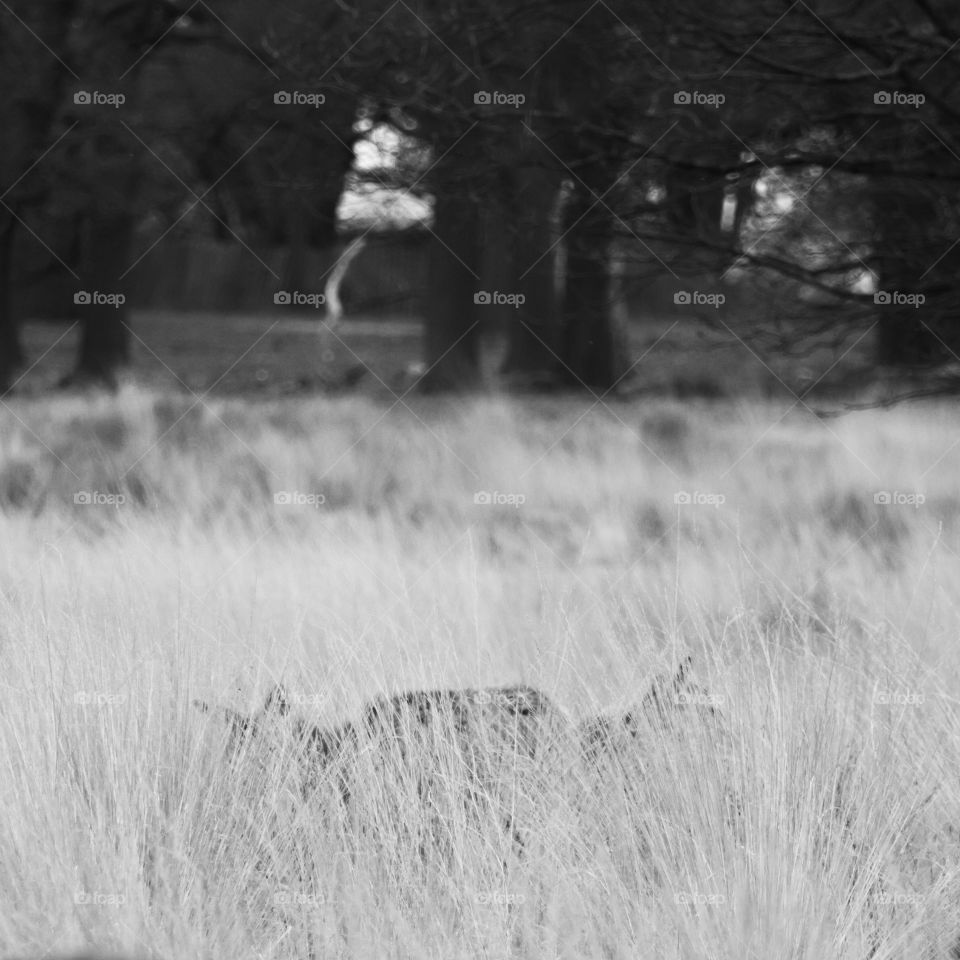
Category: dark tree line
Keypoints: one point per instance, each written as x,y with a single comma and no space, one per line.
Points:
617,141
197,131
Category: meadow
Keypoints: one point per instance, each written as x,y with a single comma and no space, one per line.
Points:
158,547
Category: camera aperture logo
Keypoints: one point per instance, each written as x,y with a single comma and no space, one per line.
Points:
294,498
485,298
84,298
296,298
299,98
485,498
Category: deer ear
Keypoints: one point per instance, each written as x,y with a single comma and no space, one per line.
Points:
665,691
682,678
277,700
240,724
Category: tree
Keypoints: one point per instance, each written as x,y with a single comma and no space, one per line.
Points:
594,346
649,157
489,76
870,110
113,107
68,145
34,83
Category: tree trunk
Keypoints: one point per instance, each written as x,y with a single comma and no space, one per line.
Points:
902,341
595,350
695,200
311,221
294,276
694,209
111,179
34,87
451,318
496,274
910,239
11,349
105,337
535,326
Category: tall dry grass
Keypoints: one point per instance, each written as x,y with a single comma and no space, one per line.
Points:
824,623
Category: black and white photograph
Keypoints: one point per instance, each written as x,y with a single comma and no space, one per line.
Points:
479,480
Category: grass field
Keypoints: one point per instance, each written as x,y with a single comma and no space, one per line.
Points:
811,568
262,356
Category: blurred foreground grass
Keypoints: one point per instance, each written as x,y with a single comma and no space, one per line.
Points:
154,548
